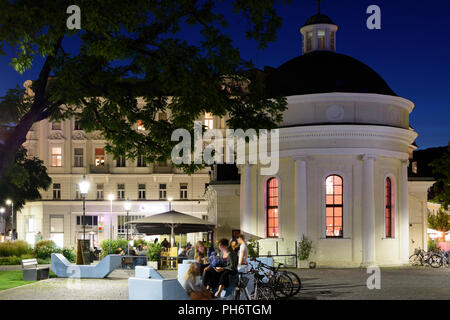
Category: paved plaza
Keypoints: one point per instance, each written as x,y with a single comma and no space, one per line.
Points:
396,283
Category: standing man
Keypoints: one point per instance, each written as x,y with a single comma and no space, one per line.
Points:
243,253
165,243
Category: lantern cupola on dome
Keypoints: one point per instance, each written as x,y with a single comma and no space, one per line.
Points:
319,33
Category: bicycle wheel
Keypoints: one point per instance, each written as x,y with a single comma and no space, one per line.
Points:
415,260
296,282
283,285
435,261
264,292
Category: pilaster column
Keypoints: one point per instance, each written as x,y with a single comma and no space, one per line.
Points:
404,214
300,197
246,215
368,210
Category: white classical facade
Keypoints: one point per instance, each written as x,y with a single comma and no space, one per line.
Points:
69,153
342,181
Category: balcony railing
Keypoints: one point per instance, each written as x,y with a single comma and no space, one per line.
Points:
99,169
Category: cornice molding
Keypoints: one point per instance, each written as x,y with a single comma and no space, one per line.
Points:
348,131
339,97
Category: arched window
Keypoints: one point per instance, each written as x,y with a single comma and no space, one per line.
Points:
334,206
272,202
388,209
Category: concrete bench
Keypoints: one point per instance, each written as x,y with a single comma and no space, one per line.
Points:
142,272
149,284
32,272
64,269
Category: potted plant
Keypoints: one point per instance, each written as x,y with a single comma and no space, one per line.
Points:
153,254
253,248
304,251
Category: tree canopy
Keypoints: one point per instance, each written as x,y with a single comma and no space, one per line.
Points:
23,180
441,171
132,61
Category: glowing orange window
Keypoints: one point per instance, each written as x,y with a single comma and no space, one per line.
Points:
272,202
334,206
388,209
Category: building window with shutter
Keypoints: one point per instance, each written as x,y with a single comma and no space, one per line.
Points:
141,162
78,157
121,162
56,157
76,125
100,191
56,191
162,191
183,190
141,191
120,191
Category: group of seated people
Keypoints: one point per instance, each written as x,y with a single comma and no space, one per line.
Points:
212,270
140,251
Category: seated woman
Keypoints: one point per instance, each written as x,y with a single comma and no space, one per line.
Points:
193,284
227,266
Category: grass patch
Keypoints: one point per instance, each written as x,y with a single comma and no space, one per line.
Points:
11,279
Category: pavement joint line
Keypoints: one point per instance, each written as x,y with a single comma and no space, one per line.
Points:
24,285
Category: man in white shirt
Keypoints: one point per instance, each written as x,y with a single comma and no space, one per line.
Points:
243,253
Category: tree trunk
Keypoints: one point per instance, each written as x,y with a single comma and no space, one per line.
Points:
19,134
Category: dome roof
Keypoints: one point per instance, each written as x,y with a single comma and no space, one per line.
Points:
318,19
325,72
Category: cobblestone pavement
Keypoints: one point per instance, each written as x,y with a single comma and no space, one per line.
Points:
396,283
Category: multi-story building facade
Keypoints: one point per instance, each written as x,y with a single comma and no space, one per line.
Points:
69,153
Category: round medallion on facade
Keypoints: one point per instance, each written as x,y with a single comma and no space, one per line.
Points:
335,113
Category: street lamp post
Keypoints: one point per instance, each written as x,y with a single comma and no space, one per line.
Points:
11,203
2,211
110,198
172,236
84,188
127,207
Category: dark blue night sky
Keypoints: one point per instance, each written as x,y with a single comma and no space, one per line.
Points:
411,52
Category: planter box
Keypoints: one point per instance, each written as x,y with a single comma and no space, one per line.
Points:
153,264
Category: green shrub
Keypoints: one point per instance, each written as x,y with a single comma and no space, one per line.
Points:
154,251
14,248
69,253
44,249
44,261
11,260
253,250
304,248
122,243
433,245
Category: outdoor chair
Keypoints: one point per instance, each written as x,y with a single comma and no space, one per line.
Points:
32,272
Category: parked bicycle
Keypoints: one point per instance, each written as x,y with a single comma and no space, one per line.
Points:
260,289
440,259
285,283
420,257
430,258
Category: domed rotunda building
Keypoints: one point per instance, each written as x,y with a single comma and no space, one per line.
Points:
343,175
